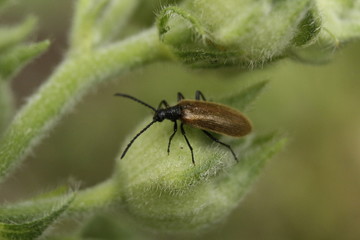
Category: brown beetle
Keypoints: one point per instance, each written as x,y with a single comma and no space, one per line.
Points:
197,113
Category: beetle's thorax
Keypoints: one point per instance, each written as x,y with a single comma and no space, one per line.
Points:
170,113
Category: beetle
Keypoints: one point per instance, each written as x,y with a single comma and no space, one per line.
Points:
198,113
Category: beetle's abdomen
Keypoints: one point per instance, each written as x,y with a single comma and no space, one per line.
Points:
214,117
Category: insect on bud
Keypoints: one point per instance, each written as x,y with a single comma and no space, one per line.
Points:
169,193
168,190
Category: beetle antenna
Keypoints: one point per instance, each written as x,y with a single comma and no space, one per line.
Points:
135,99
137,135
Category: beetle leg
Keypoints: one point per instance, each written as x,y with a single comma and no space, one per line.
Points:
171,137
188,143
224,144
199,95
163,102
180,96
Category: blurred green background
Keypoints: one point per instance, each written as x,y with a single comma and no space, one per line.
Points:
309,191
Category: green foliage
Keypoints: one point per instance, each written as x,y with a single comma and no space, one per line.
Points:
94,21
14,54
252,33
243,99
339,25
165,193
76,75
10,36
28,220
12,61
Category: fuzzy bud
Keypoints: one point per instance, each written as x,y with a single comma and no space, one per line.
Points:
168,193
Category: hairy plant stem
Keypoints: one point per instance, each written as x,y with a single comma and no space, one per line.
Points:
70,81
97,197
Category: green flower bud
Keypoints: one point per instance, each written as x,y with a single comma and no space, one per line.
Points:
249,33
168,193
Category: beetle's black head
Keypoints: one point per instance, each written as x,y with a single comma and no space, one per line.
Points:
160,115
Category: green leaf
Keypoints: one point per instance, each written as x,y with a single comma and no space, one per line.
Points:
98,22
42,210
308,28
82,37
243,99
13,60
117,11
254,155
30,219
340,24
10,36
320,52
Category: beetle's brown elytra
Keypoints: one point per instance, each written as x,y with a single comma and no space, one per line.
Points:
198,113
214,117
